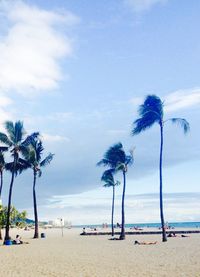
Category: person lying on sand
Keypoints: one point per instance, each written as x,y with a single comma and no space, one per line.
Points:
185,236
144,242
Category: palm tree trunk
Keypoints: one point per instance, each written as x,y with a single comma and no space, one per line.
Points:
7,235
1,185
0,234
113,206
36,234
164,237
122,235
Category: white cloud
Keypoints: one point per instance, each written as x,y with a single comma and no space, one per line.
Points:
136,101
143,5
182,99
60,116
177,100
117,132
94,207
32,47
54,138
4,103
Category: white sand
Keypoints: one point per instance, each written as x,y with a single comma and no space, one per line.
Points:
90,256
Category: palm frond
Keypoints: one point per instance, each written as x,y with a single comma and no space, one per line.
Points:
19,131
2,160
104,162
29,139
24,163
20,166
115,154
117,183
47,160
107,185
38,149
120,166
116,158
9,126
39,173
150,112
142,124
108,175
129,159
24,150
108,178
183,123
3,149
9,166
31,158
153,106
4,138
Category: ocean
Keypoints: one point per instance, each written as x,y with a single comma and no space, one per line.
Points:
150,225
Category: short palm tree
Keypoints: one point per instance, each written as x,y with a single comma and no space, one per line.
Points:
34,159
17,144
2,166
109,181
151,112
115,158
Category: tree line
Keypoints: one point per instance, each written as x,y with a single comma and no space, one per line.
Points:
151,112
16,218
26,152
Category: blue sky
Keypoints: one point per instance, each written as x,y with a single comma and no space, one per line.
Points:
76,71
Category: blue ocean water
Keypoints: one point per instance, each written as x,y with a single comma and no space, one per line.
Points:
151,225
172,224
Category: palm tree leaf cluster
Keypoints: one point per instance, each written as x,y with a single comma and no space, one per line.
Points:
108,178
150,112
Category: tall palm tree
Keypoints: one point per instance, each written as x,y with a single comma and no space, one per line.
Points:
116,158
2,166
151,112
34,159
17,144
109,181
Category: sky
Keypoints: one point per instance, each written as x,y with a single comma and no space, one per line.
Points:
76,71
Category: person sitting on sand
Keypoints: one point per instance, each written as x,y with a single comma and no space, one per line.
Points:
145,243
17,240
26,228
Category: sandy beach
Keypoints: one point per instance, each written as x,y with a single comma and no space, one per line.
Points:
86,256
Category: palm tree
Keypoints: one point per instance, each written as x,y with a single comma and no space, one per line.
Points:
2,166
34,159
151,112
115,158
108,178
14,139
